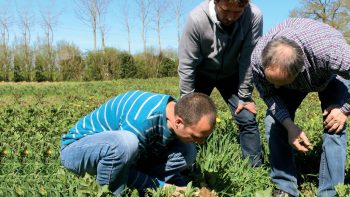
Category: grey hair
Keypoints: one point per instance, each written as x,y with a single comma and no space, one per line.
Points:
290,63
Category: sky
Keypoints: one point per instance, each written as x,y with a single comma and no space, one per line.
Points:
69,28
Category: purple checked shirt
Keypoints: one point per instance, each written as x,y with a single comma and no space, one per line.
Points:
326,55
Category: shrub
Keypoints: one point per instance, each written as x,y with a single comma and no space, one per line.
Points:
127,67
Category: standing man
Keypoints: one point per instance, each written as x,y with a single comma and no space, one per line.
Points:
139,140
297,57
215,51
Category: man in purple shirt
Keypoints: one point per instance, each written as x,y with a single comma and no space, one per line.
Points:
296,57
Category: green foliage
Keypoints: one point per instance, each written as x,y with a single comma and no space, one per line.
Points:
70,61
343,190
18,69
33,118
95,65
127,67
5,64
39,69
168,67
220,161
335,13
112,61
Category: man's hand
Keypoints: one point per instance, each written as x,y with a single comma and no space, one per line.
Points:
250,106
335,119
179,191
299,141
296,137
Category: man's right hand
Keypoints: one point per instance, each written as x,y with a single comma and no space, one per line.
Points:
298,140
179,191
296,137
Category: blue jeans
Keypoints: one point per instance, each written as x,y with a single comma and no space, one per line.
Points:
249,134
113,156
333,157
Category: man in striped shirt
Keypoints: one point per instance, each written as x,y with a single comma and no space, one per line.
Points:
139,139
296,57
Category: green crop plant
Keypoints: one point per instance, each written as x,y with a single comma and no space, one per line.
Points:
33,117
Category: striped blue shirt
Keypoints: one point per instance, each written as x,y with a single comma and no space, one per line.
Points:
326,55
141,113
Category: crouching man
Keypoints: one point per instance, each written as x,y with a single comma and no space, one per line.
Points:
139,140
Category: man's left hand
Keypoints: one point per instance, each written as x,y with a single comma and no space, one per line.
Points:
250,106
335,119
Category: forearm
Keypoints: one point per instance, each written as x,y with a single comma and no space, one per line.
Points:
143,181
288,124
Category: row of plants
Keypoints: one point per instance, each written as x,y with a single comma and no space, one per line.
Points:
68,63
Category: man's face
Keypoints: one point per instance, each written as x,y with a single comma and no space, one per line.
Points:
194,133
277,77
228,12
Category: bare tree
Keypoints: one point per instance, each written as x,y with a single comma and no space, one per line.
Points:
126,21
5,22
26,22
160,7
88,13
144,11
49,20
333,12
179,10
102,9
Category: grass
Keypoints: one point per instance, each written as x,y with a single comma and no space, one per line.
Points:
33,116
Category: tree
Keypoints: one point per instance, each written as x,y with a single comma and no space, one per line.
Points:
5,22
178,10
127,67
102,8
160,9
336,13
71,61
39,69
88,13
126,21
168,67
26,22
144,10
49,19
95,66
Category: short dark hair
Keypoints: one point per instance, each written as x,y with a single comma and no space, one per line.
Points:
272,55
193,106
241,3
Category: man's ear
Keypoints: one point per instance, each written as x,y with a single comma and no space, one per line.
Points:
179,122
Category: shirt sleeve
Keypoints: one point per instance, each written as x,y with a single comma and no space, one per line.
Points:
141,180
339,63
250,40
189,56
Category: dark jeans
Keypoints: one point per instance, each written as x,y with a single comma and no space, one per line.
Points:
333,156
248,128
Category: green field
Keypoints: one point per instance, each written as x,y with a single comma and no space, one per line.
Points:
33,116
